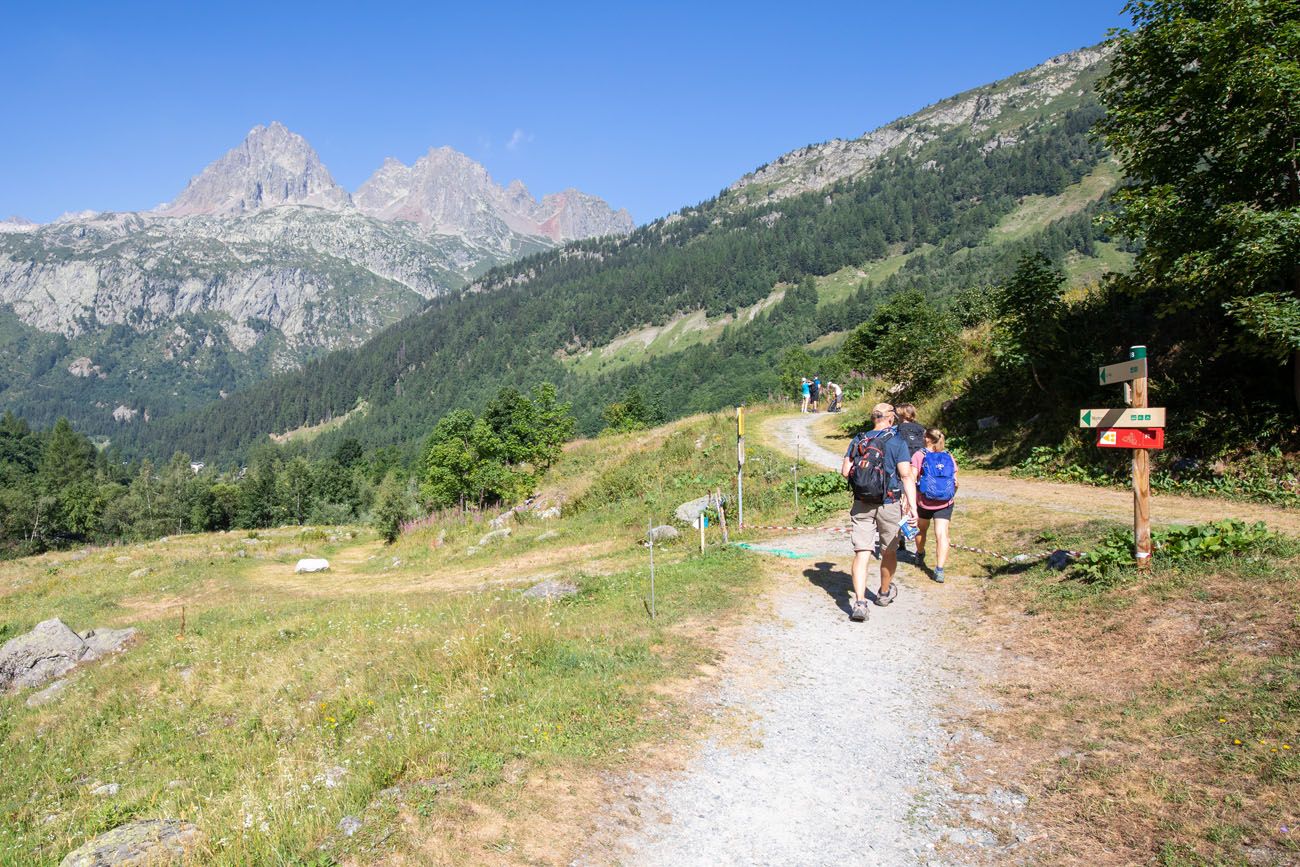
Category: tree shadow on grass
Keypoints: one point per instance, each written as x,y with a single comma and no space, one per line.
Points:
838,585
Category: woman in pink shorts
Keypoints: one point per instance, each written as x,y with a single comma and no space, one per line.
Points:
936,488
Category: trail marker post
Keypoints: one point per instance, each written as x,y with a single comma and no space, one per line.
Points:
1141,469
797,443
1141,428
650,536
740,467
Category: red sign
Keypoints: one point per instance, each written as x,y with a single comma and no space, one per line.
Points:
1131,438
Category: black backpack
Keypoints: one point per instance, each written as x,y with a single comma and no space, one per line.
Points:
913,434
869,476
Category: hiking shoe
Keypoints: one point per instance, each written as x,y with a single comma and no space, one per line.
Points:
859,611
919,558
884,599
938,575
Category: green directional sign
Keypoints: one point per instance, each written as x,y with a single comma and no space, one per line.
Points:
1145,416
1123,371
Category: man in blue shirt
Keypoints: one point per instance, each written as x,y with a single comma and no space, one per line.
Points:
876,520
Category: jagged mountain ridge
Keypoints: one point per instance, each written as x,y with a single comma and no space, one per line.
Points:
262,255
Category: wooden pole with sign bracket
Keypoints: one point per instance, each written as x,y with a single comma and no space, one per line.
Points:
1141,471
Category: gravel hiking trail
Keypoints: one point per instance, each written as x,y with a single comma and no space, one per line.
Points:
825,739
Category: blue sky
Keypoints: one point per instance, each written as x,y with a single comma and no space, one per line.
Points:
114,106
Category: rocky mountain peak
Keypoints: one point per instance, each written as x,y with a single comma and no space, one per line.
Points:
272,166
447,192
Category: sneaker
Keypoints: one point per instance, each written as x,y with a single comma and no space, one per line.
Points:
919,558
859,612
938,575
888,597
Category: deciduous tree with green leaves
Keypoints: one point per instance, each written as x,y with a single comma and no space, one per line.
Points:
1204,111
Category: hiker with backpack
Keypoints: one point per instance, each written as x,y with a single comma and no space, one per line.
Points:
878,466
936,489
816,389
908,429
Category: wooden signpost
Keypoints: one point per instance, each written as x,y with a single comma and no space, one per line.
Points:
1150,416
1141,428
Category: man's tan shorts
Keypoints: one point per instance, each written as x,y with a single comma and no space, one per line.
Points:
871,523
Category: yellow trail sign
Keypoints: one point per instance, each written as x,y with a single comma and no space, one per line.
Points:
1123,371
1144,416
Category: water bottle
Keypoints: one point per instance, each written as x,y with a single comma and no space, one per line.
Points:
908,529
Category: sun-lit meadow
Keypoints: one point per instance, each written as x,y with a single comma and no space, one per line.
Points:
291,701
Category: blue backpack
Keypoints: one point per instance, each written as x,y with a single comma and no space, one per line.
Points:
938,482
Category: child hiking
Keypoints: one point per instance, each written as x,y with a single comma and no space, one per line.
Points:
936,489
879,470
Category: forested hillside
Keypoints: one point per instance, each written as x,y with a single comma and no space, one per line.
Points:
939,203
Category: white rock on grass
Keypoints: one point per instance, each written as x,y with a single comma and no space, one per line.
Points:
105,790
689,511
139,573
549,514
312,564
551,590
663,533
349,825
144,841
494,536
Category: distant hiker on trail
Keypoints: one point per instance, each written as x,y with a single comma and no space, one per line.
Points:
837,397
911,432
878,466
936,488
805,387
816,391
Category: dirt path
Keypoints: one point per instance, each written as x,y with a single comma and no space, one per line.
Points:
830,735
807,431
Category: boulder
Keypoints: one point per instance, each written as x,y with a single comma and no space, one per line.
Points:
549,534
501,520
144,841
139,573
101,642
549,514
494,536
663,533
691,510
989,421
48,651
551,590
312,564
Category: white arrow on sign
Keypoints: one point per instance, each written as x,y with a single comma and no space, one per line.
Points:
1144,416
1123,371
